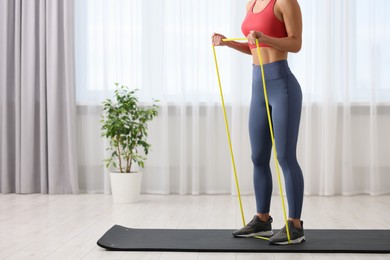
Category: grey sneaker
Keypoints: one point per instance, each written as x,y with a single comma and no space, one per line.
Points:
255,228
296,235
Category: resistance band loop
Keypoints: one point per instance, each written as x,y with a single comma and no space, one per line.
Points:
228,135
271,131
273,140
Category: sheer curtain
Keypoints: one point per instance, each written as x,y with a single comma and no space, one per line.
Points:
342,68
163,49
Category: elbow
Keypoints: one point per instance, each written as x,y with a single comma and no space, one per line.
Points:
296,49
297,46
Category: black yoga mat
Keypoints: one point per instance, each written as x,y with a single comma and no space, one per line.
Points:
221,240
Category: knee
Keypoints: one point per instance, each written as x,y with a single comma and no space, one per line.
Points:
287,162
283,161
259,159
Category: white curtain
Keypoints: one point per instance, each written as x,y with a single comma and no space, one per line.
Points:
163,48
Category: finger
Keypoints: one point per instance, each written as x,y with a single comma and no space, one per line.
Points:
216,41
249,37
213,37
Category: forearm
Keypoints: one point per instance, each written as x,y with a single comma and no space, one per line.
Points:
290,43
239,46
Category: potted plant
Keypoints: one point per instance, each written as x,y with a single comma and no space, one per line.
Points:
124,124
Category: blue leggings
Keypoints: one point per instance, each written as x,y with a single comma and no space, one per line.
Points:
285,101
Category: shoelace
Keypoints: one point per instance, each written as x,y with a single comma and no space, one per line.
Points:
283,229
252,222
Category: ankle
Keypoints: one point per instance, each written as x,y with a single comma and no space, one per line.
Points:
263,216
296,222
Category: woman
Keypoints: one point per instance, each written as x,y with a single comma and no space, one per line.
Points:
277,24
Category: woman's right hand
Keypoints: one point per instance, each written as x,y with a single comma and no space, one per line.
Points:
217,40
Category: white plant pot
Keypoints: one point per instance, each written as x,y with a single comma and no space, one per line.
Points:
126,187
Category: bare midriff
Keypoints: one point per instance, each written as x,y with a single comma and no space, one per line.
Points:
268,55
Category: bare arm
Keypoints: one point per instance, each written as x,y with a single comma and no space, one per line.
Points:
292,17
239,46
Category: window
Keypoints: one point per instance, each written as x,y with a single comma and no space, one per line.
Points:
163,48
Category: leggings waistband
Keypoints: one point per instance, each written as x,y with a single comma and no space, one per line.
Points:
274,70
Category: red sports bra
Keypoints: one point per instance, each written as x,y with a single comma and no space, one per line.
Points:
265,22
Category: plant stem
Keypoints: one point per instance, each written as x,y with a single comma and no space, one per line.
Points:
119,154
128,157
128,164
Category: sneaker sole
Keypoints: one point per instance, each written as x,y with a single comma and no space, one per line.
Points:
261,234
294,241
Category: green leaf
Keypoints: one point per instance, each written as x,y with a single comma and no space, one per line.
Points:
124,124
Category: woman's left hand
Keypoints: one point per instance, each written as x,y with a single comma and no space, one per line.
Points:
253,35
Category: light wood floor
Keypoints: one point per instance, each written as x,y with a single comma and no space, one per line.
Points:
68,226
